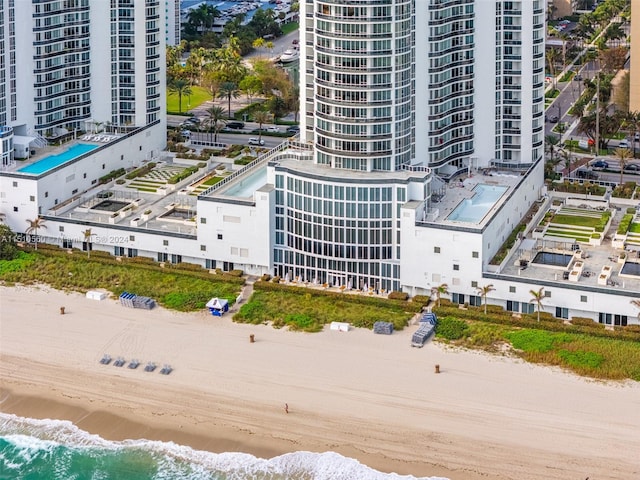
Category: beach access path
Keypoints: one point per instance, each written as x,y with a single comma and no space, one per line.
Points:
370,397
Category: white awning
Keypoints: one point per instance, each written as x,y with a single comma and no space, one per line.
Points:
22,140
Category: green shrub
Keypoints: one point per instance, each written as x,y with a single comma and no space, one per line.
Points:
537,341
265,277
422,300
236,273
586,322
276,279
300,321
451,328
398,295
580,359
247,159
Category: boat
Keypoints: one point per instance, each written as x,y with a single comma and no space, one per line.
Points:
289,56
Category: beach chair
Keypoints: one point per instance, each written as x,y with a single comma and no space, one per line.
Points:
106,359
150,367
133,364
119,362
166,370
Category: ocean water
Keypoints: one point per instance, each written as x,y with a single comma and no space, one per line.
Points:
53,449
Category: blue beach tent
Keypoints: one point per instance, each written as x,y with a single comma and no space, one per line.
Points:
218,306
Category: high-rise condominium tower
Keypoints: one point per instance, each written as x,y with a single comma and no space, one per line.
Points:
67,63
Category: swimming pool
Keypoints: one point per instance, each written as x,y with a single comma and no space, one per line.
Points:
248,185
472,210
553,259
53,161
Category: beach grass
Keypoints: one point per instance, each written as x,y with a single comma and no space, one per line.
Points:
171,288
586,355
309,310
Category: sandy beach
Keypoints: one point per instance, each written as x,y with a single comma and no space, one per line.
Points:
370,397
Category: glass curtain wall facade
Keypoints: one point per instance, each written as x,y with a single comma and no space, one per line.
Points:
61,64
361,54
338,233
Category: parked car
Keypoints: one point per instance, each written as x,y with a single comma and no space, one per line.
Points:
588,174
632,167
624,144
554,118
273,129
256,141
636,137
293,129
599,164
235,125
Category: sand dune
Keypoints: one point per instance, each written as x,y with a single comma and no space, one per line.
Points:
371,397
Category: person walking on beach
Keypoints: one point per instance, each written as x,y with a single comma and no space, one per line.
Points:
286,408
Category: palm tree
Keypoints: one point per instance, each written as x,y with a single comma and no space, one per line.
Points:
229,90
622,154
537,297
180,87
550,143
553,54
87,239
34,226
440,290
261,117
214,120
484,291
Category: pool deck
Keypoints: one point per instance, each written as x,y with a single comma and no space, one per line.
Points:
49,150
462,189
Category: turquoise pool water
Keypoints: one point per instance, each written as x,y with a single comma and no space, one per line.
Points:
53,161
472,210
248,185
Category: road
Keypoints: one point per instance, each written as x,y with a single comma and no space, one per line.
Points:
238,138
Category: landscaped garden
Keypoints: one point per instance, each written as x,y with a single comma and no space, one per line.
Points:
580,224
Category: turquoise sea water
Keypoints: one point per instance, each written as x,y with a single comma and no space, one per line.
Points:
54,449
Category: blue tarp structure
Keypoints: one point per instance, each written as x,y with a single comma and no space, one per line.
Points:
217,306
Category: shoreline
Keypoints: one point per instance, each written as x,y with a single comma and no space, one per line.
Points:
364,396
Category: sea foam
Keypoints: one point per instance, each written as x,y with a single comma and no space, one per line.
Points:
53,440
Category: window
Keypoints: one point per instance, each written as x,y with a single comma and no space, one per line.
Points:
103,167
32,198
15,209
203,220
66,243
15,184
475,300
165,243
46,194
436,249
61,228
513,306
132,238
547,294
583,298
456,267
512,289
562,312
474,284
219,236
475,255
203,248
457,298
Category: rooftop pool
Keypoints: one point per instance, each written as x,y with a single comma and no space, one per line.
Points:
247,185
473,210
53,161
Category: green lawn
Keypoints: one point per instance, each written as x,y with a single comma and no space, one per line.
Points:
198,96
212,181
289,27
582,221
634,228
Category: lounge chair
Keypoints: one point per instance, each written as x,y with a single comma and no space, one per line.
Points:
119,362
106,359
150,367
134,364
166,370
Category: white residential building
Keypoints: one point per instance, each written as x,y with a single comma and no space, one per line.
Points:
421,149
